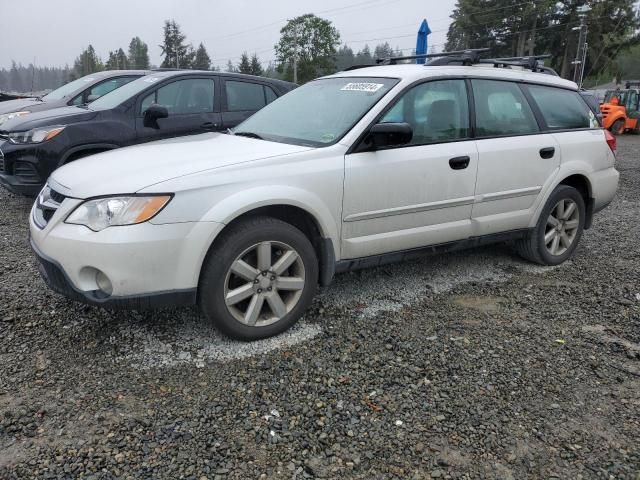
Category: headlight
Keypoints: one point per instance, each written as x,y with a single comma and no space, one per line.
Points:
106,212
37,135
8,116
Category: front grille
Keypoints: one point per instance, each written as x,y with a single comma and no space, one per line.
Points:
47,204
1,162
56,196
26,172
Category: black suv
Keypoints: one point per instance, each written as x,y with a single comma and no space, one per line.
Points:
83,90
160,105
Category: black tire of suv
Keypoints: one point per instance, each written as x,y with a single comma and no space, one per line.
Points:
232,243
533,248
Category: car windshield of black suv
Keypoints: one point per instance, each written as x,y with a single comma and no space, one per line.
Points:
120,95
317,114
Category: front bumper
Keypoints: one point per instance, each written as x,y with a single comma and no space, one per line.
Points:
56,278
20,169
147,265
14,185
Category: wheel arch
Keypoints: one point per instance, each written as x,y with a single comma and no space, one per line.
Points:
85,150
322,237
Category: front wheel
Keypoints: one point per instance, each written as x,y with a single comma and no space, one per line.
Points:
558,231
259,279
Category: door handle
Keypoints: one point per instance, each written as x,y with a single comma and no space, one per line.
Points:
459,163
548,152
209,126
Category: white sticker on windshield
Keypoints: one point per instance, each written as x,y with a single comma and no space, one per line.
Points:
151,79
363,87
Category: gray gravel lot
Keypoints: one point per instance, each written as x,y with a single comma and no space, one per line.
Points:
474,365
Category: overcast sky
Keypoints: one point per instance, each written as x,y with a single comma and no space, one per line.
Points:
56,32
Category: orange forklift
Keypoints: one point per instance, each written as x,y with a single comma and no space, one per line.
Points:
621,109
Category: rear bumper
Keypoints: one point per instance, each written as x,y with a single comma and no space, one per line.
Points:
57,279
604,184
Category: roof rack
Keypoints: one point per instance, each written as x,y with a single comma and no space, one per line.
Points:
631,84
469,57
472,57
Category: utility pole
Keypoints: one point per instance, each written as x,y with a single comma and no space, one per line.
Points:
581,53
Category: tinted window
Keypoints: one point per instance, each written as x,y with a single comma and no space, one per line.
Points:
271,95
101,89
562,109
501,109
244,96
437,111
183,96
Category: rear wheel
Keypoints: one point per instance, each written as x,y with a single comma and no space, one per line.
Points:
259,279
618,127
558,231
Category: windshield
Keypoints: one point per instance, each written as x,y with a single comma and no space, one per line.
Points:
120,95
319,113
69,88
620,94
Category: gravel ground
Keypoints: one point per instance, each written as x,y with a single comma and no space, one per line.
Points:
474,365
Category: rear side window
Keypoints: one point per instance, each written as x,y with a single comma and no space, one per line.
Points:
501,109
562,109
242,96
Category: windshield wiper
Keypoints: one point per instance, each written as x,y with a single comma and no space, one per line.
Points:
249,134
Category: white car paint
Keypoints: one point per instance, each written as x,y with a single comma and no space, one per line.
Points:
365,203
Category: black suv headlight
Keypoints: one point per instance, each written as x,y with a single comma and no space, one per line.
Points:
37,135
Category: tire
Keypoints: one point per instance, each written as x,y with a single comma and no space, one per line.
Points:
618,127
534,246
237,264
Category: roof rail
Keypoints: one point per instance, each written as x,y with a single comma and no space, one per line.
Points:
472,57
632,84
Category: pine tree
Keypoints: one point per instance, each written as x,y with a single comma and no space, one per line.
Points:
202,60
87,62
176,53
256,67
245,65
138,54
230,67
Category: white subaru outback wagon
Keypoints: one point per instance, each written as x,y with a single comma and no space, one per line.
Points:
351,170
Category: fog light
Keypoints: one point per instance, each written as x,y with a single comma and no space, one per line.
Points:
103,282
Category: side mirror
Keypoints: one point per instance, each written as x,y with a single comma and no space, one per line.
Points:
389,135
152,114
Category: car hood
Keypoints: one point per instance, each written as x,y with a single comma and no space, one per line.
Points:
130,169
56,116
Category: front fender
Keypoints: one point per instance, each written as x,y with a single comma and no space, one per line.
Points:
239,203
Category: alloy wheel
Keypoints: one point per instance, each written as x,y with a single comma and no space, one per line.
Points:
264,283
562,227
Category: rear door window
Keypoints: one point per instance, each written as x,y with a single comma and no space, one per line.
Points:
243,96
502,109
562,109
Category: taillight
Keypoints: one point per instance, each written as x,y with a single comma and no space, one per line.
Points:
611,140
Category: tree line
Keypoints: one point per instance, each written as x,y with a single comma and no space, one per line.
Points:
517,28
310,46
